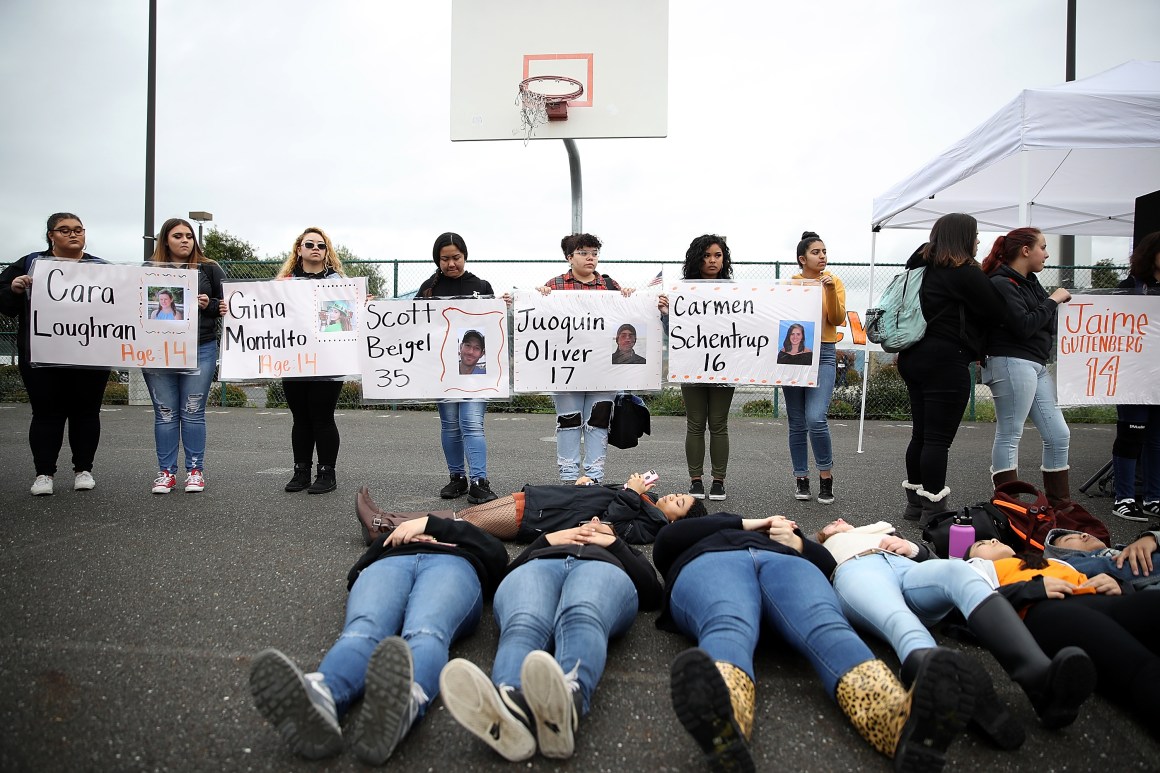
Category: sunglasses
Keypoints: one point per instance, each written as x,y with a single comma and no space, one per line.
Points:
312,245
69,231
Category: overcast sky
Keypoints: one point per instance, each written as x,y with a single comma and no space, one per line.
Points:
278,114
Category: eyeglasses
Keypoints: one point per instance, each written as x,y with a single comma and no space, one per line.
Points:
69,231
587,253
312,245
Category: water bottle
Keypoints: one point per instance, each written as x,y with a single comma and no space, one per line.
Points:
962,536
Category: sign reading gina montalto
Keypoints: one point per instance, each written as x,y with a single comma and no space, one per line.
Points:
292,327
108,315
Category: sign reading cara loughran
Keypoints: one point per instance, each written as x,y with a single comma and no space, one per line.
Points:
104,315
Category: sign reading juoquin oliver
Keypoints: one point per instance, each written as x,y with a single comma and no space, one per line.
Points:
733,333
420,348
586,341
292,327
1109,350
110,315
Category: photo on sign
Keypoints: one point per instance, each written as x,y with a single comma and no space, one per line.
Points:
166,303
472,352
627,343
795,338
337,316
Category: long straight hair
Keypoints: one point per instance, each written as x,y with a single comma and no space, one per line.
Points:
952,241
161,253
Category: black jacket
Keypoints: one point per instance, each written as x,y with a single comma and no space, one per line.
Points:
948,291
1028,330
1151,287
550,508
635,565
439,286
487,555
690,538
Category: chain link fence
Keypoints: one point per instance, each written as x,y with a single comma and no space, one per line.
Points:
885,392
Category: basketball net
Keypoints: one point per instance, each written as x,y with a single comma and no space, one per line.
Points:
537,108
533,111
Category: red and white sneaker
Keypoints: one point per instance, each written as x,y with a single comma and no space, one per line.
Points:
194,482
165,482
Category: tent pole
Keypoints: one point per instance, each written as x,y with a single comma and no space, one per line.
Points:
866,344
1024,184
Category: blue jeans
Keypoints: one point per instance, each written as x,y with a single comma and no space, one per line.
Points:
569,605
461,429
430,599
806,409
179,409
1146,443
896,598
721,599
1021,388
574,418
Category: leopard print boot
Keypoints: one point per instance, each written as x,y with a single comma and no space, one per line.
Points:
913,727
714,702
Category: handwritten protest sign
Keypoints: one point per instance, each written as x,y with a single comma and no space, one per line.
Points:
579,340
107,315
742,333
292,327
421,348
1109,350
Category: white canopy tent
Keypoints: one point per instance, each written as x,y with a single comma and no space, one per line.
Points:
1068,159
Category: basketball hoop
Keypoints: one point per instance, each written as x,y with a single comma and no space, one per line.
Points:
539,107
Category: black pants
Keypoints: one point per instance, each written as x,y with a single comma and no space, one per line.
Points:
312,404
60,395
938,381
1121,634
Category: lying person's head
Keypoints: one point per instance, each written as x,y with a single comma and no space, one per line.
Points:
1077,540
830,529
677,506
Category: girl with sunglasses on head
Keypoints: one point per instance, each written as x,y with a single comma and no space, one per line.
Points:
179,396
57,394
461,420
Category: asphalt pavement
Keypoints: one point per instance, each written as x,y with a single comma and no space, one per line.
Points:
128,621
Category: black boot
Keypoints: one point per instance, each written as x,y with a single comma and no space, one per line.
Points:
913,509
301,477
480,492
990,716
324,481
456,488
933,504
1056,686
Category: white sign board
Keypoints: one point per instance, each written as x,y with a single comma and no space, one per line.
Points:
421,348
586,341
1109,350
744,333
292,327
108,315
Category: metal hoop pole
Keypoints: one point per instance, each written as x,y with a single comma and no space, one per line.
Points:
577,186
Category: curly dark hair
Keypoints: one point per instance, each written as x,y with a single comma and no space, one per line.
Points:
696,253
1143,261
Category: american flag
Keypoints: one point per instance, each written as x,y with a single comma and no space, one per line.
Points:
656,280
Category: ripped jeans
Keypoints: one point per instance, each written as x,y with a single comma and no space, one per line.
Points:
179,398
587,415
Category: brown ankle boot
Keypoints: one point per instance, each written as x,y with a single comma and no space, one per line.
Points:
714,702
1056,488
912,727
1004,476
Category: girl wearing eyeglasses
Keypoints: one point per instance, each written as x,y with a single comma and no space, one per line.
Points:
312,400
57,394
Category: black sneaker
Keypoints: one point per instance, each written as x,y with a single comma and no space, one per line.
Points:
717,491
299,706
1152,508
499,717
480,492
803,490
456,488
1129,510
826,490
389,706
697,489
701,701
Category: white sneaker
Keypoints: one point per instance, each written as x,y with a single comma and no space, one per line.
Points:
496,716
553,697
84,481
42,485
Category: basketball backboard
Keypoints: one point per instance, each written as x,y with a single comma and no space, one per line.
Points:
617,49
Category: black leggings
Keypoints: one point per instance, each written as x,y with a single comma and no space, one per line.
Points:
58,395
938,381
1121,634
312,404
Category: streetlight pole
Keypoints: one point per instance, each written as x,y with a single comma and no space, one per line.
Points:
201,218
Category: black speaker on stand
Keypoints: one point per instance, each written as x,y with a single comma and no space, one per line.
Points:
1147,216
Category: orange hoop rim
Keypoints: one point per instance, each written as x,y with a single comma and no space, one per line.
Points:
552,98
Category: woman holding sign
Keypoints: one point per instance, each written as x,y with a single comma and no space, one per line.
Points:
461,421
582,415
806,407
312,400
57,394
179,396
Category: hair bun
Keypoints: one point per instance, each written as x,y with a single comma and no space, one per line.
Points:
810,235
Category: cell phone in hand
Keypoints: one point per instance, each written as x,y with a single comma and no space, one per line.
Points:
651,477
